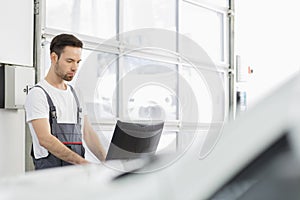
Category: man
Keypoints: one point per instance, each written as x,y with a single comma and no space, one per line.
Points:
54,113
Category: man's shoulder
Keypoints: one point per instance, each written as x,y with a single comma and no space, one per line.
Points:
36,91
41,87
35,99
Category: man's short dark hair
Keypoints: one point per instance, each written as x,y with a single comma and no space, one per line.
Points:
59,42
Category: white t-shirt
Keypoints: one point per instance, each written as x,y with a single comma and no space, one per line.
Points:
36,106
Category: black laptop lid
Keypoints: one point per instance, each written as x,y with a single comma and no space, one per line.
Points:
134,140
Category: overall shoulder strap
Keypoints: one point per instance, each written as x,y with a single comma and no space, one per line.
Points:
52,109
79,109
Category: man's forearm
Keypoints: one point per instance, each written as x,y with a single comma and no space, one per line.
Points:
92,140
94,145
54,146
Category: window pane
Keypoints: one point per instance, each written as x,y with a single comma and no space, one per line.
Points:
90,17
149,14
222,3
209,107
97,82
148,89
204,27
201,91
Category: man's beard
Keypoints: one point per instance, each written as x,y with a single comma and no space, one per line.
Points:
65,77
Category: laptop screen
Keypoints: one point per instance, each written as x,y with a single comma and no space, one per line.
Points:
134,140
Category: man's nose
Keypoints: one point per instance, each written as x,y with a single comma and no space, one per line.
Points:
75,66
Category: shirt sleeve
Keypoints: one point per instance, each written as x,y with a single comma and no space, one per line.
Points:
36,105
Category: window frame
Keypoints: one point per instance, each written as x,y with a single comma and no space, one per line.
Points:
44,34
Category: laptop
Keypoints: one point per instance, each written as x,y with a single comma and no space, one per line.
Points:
133,140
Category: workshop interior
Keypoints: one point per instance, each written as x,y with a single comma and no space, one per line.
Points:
191,99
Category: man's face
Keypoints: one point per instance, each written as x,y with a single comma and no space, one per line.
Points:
67,65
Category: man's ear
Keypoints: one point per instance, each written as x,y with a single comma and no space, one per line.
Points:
53,57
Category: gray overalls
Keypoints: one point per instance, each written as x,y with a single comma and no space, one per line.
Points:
68,134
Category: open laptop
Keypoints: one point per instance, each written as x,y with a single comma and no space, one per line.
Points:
132,140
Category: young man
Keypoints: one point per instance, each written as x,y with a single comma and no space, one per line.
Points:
54,112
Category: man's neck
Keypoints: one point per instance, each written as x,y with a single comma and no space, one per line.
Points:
55,82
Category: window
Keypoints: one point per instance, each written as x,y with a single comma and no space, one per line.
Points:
149,14
146,84
149,89
97,81
89,17
207,29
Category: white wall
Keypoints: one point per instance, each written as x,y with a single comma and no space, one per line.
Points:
16,39
268,40
16,22
12,142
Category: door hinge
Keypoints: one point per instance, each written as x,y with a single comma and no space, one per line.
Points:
230,13
36,7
